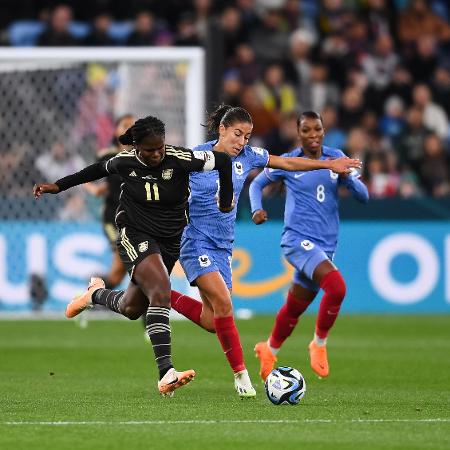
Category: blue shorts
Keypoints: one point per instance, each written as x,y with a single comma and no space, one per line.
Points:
198,257
305,257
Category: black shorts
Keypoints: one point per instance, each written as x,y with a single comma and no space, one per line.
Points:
134,246
111,233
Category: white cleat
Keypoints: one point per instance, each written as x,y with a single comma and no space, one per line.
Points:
173,380
243,385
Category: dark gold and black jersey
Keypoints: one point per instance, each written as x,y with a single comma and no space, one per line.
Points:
154,199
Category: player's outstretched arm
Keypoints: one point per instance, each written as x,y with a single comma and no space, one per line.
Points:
259,215
44,188
340,165
90,173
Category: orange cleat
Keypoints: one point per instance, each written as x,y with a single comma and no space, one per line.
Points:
266,358
319,360
173,380
84,301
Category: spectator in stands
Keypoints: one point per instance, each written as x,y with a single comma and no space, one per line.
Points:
333,18
57,32
352,107
418,20
232,88
392,122
275,93
298,63
440,86
232,30
283,138
249,69
264,120
269,38
148,32
186,34
435,168
434,116
334,136
380,182
379,66
411,141
380,18
400,85
424,59
320,91
99,37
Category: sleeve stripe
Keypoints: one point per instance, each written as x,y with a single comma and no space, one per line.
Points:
179,155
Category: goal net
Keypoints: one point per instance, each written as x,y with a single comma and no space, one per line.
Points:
57,110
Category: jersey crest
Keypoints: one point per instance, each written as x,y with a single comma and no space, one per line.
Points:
238,168
167,174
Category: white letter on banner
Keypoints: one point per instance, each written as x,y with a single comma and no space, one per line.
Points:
380,264
69,261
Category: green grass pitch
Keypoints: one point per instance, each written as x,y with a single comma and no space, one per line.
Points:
62,387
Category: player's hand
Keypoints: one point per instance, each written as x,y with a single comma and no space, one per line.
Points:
45,188
259,216
227,209
344,165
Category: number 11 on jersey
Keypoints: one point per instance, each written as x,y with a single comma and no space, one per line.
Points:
152,191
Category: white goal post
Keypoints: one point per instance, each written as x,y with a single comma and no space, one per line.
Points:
188,62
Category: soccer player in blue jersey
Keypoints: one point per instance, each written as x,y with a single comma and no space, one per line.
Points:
207,242
311,222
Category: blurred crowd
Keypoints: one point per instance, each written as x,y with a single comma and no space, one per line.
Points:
377,70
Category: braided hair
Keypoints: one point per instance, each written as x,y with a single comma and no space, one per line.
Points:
226,115
148,126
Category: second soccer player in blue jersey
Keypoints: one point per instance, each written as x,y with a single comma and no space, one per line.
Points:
311,222
207,241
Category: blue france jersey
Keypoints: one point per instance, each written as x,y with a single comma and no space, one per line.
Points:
205,219
311,210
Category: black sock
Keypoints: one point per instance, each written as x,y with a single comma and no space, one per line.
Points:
158,329
109,298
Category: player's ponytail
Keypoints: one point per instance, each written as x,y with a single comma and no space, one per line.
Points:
226,115
148,126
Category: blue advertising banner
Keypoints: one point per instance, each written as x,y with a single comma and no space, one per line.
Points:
399,267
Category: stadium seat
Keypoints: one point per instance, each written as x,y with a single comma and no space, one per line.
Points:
120,31
24,33
79,30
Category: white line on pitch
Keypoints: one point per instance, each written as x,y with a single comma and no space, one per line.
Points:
201,422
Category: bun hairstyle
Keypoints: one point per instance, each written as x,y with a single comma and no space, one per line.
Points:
226,115
148,126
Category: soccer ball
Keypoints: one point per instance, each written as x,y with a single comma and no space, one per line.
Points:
285,386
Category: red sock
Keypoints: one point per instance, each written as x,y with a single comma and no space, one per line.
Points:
231,344
287,319
187,306
334,286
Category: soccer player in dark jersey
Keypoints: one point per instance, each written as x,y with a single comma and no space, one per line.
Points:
207,242
311,223
109,189
150,218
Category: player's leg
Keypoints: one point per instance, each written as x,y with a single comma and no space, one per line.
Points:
331,281
300,296
198,259
213,287
297,301
116,273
